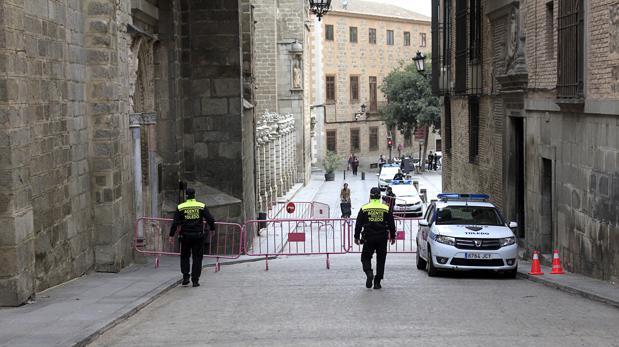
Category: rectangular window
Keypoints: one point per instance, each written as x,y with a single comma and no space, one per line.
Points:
373,138
372,35
353,34
461,47
354,140
373,94
447,121
328,32
475,31
570,53
330,85
407,38
390,37
422,39
439,145
473,129
332,141
354,88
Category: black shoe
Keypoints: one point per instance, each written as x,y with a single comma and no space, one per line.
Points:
185,281
377,284
370,278
196,284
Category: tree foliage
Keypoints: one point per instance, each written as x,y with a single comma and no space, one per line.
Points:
410,103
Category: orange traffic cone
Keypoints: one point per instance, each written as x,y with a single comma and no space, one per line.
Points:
536,268
557,269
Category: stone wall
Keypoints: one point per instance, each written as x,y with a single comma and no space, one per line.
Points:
212,91
570,149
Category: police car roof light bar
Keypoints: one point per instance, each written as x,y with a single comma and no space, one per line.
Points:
396,182
464,197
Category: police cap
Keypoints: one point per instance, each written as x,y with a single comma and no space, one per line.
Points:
191,193
375,193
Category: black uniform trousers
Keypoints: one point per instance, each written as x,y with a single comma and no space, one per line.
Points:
371,245
194,247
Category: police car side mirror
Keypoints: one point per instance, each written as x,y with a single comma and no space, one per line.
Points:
513,225
423,223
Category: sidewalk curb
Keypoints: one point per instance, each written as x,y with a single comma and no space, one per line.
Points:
568,289
159,292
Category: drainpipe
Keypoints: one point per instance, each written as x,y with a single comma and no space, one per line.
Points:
150,120
134,124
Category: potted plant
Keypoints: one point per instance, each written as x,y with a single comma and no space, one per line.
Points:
330,163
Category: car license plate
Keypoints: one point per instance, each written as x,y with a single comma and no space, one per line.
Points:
478,256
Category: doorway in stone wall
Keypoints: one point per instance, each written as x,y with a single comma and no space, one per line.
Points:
547,223
517,180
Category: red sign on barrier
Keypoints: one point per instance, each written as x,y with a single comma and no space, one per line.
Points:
296,237
290,207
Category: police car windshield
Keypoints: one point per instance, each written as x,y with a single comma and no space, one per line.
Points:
468,215
404,190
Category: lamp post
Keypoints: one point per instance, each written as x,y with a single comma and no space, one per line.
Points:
320,7
358,115
420,62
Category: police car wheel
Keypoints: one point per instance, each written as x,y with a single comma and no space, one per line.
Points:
432,271
511,273
421,264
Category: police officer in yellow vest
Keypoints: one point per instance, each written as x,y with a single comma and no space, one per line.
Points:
374,224
190,216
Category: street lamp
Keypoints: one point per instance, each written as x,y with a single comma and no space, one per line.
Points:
420,61
358,115
320,7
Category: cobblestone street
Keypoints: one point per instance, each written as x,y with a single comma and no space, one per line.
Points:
298,302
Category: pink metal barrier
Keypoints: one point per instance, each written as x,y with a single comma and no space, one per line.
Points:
223,243
298,210
297,237
406,233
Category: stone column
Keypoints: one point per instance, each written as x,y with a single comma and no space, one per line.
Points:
276,160
292,150
109,137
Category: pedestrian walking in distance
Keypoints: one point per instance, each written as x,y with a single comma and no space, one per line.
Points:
374,227
345,203
190,216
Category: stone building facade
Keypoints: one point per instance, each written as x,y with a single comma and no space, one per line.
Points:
530,117
105,106
360,44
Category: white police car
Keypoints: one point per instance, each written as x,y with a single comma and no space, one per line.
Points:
407,199
465,232
386,175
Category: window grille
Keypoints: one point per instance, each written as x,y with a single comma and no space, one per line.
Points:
373,138
570,55
354,88
422,39
353,34
407,38
329,32
330,86
390,37
373,94
468,47
372,35
332,141
441,46
354,140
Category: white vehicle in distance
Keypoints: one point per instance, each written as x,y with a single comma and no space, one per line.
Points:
407,199
386,175
465,232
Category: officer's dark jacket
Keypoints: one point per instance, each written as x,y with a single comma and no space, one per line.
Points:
190,216
375,220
